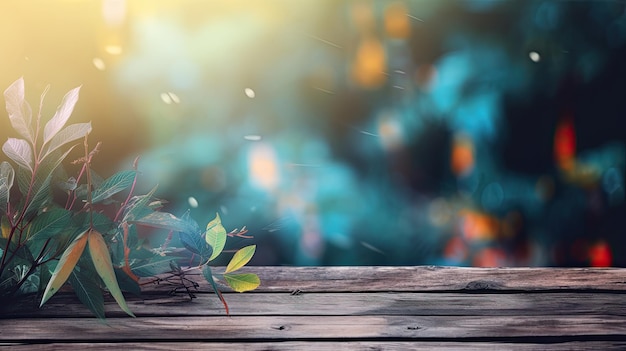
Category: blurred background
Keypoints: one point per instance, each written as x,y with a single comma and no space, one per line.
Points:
353,132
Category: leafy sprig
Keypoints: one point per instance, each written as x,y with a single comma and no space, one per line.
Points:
44,245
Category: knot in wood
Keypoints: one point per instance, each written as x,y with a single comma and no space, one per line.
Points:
280,327
482,285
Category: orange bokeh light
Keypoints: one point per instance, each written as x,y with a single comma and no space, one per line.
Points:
462,158
396,21
478,226
370,63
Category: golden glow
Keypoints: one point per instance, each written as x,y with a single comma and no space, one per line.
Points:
396,20
370,63
263,166
113,49
99,64
114,12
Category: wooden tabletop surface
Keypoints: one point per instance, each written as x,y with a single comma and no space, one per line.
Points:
348,308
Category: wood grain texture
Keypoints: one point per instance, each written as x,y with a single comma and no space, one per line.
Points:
423,278
348,308
352,304
330,346
316,327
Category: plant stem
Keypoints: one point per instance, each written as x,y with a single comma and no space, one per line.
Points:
31,270
87,169
130,193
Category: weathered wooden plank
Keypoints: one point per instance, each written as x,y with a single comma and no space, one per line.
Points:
330,346
374,303
422,278
297,328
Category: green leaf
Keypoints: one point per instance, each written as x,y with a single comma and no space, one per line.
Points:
102,261
195,243
113,185
65,266
154,266
99,222
47,224
7,175
44,275
43,179
127,283
216,236
67,135
61,116
208,275
243,282
47,248
23,177
19,151
163,220
20,113
138,207
240,258
88,291
21,251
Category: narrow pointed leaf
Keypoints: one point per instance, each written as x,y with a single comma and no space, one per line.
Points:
19,110
63,113
65,266
42,184
102,261
240,258
68,134
127,283
243,282
19,151
113,185
208,275
163,220
216,236
88,292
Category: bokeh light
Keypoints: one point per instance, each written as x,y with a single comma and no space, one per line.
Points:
391,132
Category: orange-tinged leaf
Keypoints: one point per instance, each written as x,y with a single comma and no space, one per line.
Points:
65,266
102,261
126,267
240,258
243,282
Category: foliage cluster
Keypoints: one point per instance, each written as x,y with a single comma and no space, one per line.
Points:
88,236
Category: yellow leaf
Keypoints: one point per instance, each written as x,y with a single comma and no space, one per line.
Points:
102,261
216,236
240,258
65,266
6,229
242,282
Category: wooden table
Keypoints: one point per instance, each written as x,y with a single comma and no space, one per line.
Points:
351,308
